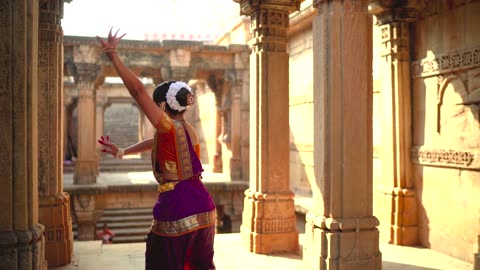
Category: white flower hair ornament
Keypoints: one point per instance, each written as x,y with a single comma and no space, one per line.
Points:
172,95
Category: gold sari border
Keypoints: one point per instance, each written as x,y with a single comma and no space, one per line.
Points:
185,225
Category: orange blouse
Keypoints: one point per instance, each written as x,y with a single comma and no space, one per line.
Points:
171,154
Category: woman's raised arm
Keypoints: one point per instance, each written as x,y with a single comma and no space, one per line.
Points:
134,85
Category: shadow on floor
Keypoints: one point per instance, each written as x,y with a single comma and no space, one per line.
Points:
400,266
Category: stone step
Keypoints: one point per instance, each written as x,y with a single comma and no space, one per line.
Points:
122,225
129,239
131,231
115,165
127,212
116,219
129,225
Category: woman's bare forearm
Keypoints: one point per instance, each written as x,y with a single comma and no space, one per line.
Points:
140,147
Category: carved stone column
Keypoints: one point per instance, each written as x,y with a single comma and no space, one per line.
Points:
54,203
101,103
476,255
245,120
216,85
268,222
22,244
234,131
393,19
341,230
86,163
67,100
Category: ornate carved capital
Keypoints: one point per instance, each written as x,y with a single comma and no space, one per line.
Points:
269,28
397,15
249,7
102,102
86,72
215,83
388,11
85,54
269,22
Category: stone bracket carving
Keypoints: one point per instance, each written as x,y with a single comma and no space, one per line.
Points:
446,158
446,63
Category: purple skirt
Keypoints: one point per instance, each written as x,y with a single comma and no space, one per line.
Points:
183,229
186,208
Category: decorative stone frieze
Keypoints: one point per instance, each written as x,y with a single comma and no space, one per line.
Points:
446,63
446,158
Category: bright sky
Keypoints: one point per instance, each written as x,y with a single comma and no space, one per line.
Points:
139,18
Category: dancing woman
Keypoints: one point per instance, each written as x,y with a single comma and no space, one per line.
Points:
183,228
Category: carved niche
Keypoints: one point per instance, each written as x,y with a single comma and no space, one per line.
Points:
457,113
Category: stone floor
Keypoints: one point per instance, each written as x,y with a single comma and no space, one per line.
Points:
230,254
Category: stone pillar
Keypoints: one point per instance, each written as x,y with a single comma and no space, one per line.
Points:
86,168
54,203
341,230
476,256
216,85
268,221
245,120
235,129
396,119
22,244
67,101
101,103
86,163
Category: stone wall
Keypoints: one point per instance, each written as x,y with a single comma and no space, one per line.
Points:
446,130
446,134
301,112
121,123
118,196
